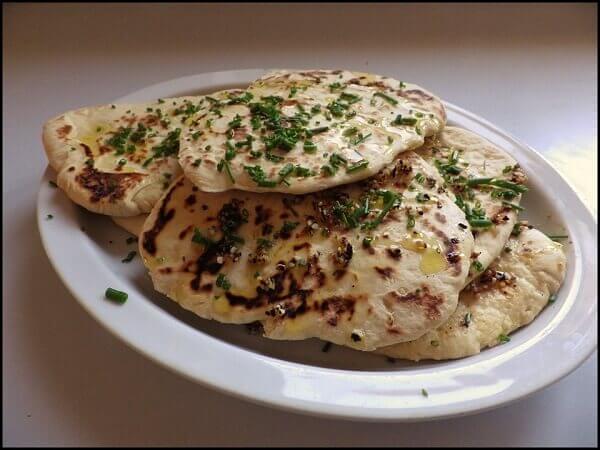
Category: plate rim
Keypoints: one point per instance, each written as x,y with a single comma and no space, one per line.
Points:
276,399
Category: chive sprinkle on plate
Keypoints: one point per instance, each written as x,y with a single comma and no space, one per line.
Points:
115,295
129,256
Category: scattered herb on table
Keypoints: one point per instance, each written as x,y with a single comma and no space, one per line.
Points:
115,295
129,256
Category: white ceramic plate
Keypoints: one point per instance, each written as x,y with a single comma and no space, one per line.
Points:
298,375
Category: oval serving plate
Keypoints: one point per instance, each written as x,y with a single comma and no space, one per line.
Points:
86,251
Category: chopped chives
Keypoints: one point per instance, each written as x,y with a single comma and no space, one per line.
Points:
477,266
129,256
503,339
199,238
387,98
467,320
399,120
360,139
318,130
480,223
328,171
115,295
513,206
310,147
225,164
496,182
357,166
223,282
557,237
230,152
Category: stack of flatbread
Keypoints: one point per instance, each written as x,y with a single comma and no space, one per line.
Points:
319,203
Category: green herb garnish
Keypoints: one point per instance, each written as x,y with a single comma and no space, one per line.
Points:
129,256
115,295
390,200
336,108
337,160
335,86
169,146
513,206
225,164
285,172
558,237
288,227
399,120
258,175
467,320
477,266
360,139
328,171
310,147
318,130
119,139
360,165
349,98
244,98
503,339
235,123
230,151
497,182
387,98
199,238
223,282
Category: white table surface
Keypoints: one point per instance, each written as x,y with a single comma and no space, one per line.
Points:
532,70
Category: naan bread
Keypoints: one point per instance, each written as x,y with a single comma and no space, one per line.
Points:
507,296
300,132
133,224
462,155
118,159
315,265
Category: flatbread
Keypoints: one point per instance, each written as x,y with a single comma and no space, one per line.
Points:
477,158
507,296
313,265
133,224
118,159
306,131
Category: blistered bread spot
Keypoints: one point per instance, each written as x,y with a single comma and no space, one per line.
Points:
334,308
421,298
491,279
63,131
385,272
104,185
163,217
